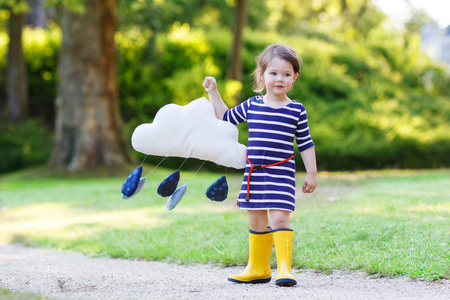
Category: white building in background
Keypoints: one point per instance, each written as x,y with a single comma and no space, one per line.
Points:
435,42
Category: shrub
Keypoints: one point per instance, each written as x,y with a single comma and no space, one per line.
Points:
23,145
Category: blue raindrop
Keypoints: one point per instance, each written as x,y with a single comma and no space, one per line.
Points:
140,185
131,183
169,184
218,191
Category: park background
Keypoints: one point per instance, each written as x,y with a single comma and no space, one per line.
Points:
378,109
374,98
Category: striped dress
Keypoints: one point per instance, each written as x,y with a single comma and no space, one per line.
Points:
271,139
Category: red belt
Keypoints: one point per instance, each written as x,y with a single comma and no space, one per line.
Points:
260,167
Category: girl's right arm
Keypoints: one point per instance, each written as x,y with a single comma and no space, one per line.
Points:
210,86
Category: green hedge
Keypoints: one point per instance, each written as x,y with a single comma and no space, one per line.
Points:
23,144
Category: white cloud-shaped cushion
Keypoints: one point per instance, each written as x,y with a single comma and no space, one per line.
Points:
191,131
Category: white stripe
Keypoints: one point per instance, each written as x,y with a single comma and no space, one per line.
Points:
269,175
270,183
272,131
274,158
296,107
275,114
244,110
282,168
240,115
270,141
237,112
279,168
256,148
303,144
302,122
272,123
234,118
260,104
304,138
302,130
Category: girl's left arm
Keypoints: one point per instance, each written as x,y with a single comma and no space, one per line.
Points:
309,160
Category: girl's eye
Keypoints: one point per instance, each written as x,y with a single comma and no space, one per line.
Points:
287,75
273,73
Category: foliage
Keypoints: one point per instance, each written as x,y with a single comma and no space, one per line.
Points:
373,99
41,55
386,223
17,6
23,145
76,6
159,16
185,57
41,49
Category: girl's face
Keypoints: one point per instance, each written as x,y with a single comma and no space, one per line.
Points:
279,77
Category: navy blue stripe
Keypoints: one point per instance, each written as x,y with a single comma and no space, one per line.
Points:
265,232
282,229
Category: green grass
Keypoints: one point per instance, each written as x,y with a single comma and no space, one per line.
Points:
386,223
10,295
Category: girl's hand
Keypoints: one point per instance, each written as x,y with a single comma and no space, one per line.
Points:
209,84
310,183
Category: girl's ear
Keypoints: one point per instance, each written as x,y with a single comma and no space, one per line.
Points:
296,76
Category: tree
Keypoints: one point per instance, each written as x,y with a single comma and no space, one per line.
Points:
17,87
235,65
37,16
88,123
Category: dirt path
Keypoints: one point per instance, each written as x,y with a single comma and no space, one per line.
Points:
70,275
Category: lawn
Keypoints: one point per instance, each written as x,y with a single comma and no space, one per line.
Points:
386,223
10,295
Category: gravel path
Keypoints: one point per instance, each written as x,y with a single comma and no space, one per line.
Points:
68,275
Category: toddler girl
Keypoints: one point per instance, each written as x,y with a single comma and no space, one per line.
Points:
268,188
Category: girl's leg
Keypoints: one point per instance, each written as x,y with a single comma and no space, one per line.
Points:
260,248
283,239
279,219
257,220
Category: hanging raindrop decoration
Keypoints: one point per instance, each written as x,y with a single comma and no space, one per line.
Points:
206,139
218,191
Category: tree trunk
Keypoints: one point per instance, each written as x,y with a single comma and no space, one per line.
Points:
37,16
17,82
88,122
343,5
235,66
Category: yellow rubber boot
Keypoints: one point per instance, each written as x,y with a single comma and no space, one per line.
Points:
258,267
283,239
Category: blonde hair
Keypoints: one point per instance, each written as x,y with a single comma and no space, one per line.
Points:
264,58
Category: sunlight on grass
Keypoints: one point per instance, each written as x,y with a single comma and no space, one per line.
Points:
59,218
428,208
